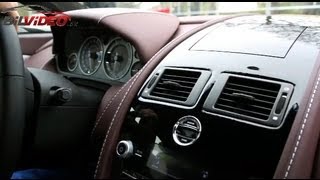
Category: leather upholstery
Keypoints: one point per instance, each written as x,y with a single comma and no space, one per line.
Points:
155,29
299,152
116,104
40,59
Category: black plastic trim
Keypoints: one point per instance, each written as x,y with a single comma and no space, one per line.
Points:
274,119
194,94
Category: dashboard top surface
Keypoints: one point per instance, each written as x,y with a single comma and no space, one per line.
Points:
295,67
254,38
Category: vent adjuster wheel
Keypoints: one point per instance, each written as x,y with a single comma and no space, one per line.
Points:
186,130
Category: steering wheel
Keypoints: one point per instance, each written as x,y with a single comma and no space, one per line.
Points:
12,99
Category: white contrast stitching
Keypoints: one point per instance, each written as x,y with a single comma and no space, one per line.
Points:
116,113
106,107
105,139
302,128
138,74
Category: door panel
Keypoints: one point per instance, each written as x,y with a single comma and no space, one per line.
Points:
31,42
37,50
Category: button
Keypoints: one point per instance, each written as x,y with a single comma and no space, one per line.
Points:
122,148
153,79
281,103
275,118
64,95
61,95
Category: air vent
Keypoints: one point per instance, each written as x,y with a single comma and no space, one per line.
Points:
248,97
176,84
186,130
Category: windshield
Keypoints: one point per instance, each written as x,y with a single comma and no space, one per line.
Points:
180,9
216,8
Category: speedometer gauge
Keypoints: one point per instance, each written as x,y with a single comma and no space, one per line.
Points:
118,58
90,55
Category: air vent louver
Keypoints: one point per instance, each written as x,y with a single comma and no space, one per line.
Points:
176,84
186,130
248,97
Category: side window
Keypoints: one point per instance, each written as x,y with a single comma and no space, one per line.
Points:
31,28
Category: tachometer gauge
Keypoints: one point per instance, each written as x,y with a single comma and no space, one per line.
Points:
118,58
90,55
72,62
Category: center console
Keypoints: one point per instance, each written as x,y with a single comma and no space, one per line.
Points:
215,111
146,151
160,142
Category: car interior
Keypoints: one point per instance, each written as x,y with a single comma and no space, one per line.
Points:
127,93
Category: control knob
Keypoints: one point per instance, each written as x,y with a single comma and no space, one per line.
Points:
124,149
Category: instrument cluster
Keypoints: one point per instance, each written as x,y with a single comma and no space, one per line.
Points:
101,57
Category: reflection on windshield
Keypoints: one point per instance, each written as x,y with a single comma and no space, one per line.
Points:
216,8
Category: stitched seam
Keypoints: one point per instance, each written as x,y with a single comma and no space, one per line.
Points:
111,124
105,139
134,12
138,74
302,128
106,107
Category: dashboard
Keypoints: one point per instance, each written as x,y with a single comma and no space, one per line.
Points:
99,55
220,104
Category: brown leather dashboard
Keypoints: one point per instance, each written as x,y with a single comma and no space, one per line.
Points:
143,29
113,108
155,35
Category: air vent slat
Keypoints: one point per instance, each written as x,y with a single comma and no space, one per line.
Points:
265,103
186,87
252,107
176,84
181,98
251,93
180,77
179,135
254,88
248,97
245,112
255,106
172,91
178,81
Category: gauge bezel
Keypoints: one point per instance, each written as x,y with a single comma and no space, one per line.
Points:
75,67
81,49
136,63
130,54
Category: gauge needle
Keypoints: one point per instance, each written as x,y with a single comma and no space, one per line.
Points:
115,61
116,64
116,67
90,61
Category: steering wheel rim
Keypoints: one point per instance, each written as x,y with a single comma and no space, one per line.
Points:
12,99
